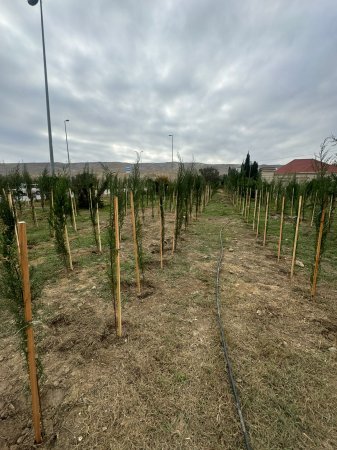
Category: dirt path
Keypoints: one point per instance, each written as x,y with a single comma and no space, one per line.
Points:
164,385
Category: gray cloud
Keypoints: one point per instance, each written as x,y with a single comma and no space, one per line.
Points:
223,76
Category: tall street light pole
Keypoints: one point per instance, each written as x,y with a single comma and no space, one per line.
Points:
171,135
51,153
65,130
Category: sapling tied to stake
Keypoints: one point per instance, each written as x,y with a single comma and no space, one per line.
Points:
298,220
325,188
199,188
180,191
44,182
13,183
62,210
161,182
16,297
135,200
116,190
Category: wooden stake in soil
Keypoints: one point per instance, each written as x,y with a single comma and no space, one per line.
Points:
11,206
318,255
255,205
281,230
135,245
330,208
248,207
243,204
51,212
161,236
73,217
36,408
296,236
70,261
98,227
258,216
174,226
126,201
118,271
313,210
74,204
246,204
266,220
33,210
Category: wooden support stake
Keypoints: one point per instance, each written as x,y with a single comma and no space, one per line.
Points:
70,261
255,207
34,387
266,220
313,210
303,207
11,206
118,271
135,244
90,200
74,204
174,227
126,201
258,216
51,211
330,208
33,210
248,207
190,205
296,237
98,227
243,204
281,230
73,217
161,237
318,255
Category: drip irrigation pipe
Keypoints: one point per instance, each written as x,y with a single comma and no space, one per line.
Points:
225,351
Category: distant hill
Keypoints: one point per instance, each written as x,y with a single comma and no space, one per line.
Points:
146,169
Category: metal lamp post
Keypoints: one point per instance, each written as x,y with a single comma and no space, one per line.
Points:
65,130
171,135
51,153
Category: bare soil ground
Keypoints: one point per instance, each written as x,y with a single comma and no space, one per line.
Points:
164,384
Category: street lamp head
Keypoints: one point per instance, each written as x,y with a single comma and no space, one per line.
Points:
170,134
33,2
67,120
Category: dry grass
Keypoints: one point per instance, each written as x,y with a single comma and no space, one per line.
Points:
283,347
163,385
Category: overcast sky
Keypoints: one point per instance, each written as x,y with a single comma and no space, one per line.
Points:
224,76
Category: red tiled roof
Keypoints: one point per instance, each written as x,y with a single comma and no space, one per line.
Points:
304,166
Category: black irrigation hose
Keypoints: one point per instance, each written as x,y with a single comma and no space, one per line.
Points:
225,351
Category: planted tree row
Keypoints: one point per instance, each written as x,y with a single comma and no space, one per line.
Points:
307,205
59,207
